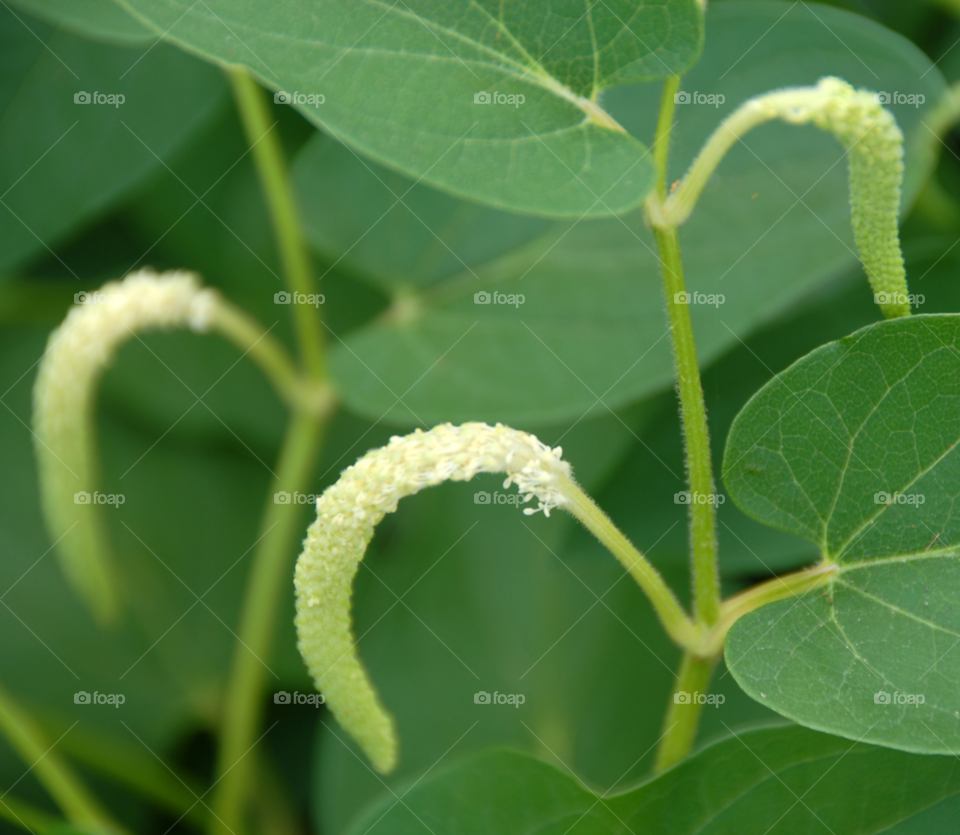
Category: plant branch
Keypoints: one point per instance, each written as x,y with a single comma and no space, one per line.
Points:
278,366
680,726
675,620
272,563
69,792
275,180
683,714
281,525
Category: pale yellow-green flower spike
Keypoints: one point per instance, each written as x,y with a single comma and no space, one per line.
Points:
350,509
347,514
63,412
874,144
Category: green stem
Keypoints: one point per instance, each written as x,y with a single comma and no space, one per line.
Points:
779,588
78,805
272,566
675,620
703,518
680,726
28,817
275,180
683,715
661,140
281,527
278,366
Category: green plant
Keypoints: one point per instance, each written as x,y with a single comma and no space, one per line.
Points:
850,450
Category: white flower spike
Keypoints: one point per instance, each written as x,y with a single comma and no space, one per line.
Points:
350,509
63,408
874,145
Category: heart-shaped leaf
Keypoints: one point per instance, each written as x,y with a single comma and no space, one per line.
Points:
483,99
854,447
785,781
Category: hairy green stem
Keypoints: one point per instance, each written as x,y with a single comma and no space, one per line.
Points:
280,529
69,792
703,514
272,567
675,620
275,180
680,726
683,713
779,588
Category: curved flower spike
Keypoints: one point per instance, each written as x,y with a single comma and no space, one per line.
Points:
63,406
875,149
350,509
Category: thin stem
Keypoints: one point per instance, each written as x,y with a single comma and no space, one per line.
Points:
779,588
947,112
70,794
703,508
683,712
680,724
661,141
675,620
272,564
248,335
275,180
280,529
28,817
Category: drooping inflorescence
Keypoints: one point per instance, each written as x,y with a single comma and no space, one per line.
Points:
63,408
347,514
874,145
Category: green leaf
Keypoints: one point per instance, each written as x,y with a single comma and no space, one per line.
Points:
63,162
405,84
854,447
591,324
101,20
783,780
353,216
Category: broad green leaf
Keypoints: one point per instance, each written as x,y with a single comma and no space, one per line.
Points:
591,324
854,447
396,232
102,20
63,162
411,85
782,780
